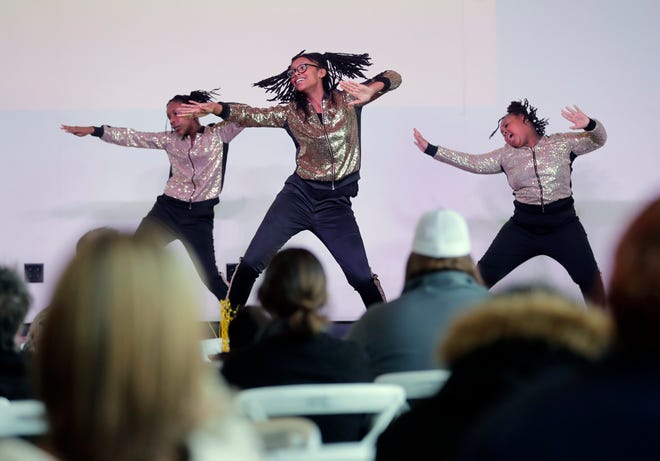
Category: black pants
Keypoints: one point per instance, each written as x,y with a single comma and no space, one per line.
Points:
192,223
553,231
296,208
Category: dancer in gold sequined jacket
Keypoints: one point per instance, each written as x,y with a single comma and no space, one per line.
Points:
538,169
324,124
197,156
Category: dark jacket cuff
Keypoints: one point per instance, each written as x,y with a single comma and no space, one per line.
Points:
431,150
385,81
224,113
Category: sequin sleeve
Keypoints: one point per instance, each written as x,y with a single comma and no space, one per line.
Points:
248,116
228,130
489,163
587,141
391,79
128,137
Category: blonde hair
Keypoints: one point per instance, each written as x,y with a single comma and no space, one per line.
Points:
119,369
535,314
419,265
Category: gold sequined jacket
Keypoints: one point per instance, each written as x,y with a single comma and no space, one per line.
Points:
538,175
327,149
197,170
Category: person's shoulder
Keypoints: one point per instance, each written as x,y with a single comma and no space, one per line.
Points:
238,358
339,98
337,345
376,316
221,124
349,353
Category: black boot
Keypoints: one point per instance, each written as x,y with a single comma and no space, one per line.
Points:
371,292
594,292
241,285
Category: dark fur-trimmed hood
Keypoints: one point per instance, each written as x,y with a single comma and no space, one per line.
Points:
536,316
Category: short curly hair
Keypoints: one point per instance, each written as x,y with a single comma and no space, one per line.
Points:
195,96
524,108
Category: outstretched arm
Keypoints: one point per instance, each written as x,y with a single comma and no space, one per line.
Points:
121,136
78,130
574,114
488,163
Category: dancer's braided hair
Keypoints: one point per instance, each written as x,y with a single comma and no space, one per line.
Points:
195,96
528,112
337,65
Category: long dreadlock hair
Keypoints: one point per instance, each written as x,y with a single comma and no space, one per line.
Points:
528,112
195,96
337,65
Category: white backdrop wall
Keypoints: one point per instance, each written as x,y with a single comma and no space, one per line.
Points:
462,62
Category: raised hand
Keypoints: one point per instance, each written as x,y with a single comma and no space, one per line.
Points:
574,114
420,141
362,93
198,109
78,130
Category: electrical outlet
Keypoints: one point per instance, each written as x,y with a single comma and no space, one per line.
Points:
34,273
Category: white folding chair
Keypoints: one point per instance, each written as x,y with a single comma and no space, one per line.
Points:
383,401
23,418
419,384
289,432
210,346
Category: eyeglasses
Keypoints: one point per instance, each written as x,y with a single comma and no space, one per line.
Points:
301,69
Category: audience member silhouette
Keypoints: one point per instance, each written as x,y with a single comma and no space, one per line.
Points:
118,366
608,412
441,282
15,301
294,347
244,329
494,351
247,325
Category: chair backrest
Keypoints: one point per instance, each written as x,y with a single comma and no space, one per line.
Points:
210,346
23,418
383,401
288,433
418,384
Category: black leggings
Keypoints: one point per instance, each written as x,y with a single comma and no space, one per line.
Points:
331,219
554,231
192,223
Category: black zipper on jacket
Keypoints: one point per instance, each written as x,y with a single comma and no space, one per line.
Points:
538,178
327,139
192,178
